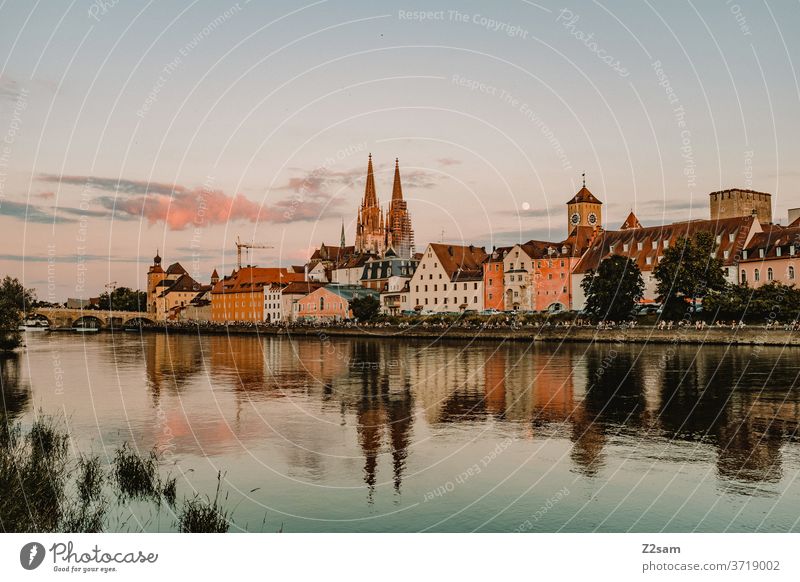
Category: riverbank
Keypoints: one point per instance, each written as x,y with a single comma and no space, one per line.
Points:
574,334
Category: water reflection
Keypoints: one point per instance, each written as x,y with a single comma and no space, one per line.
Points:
14,389
322,397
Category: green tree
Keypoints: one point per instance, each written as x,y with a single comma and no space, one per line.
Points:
124,299
365,308
772,302
613,291
689,271
15,301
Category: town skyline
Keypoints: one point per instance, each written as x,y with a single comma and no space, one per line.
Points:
494,113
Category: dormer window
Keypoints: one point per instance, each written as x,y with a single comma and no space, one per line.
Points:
610,248
719,238
666,243
625,247
744,254
761,253
778,251
791,250
731,237
639,246
655,244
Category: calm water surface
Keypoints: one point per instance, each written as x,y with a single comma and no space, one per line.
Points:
389,435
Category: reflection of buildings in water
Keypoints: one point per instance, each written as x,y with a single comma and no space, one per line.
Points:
239,356
384,408
735,401
449,381
15,392
308,363
170,361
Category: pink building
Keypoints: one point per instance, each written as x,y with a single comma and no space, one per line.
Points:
331,302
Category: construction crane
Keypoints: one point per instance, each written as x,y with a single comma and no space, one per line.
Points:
240,245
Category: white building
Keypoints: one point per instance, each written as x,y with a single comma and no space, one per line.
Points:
280,299
448,279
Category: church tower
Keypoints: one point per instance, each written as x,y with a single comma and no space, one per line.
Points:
370,229
584,209
155,275
399,234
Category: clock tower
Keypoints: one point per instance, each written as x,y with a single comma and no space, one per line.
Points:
584,210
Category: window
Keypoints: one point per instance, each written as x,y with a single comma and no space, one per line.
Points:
744,276
430,276
475,286
511,266
761,253
655,245
790,272
639,246
465,286
756,275
718,239
445,300
435,287
474,298
426,288
769,274
778,251
726,254
435,300
625,247
666,243
416,288
731,237
649,260
444,287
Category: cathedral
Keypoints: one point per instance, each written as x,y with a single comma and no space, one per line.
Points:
376,231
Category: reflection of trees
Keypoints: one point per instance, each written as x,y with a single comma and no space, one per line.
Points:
735,401
15,392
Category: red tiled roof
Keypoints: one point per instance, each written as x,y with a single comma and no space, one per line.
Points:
460,262
605,241
584,195
302,287
770,240
249,279
631,222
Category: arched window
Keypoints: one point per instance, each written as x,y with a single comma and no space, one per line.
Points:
791,272
744,276
756,275
322,304
769,274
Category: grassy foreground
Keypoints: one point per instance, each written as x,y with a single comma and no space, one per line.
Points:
45,488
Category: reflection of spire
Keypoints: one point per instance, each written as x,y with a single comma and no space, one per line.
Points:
400,427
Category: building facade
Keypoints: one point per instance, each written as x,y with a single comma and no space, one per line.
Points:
448,279
240,297
330,303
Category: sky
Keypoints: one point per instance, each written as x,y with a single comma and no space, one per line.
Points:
128,127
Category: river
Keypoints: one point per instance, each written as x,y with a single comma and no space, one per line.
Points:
358,434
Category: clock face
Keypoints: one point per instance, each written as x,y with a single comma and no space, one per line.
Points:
592,218
575,218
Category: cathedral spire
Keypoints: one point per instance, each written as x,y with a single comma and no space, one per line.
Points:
397,188
370,196
342,238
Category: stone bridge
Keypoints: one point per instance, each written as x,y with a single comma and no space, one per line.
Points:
102,319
